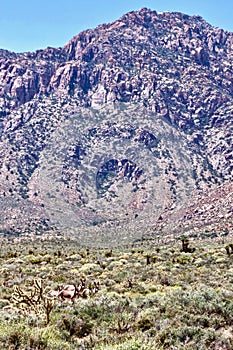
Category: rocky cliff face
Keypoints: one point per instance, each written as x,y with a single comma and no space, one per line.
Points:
150,98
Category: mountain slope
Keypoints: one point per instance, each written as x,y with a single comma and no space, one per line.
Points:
147,105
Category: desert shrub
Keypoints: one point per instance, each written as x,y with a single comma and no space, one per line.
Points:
34,259
108,253
37,342
133,343
96,311
145,324
89,268
14,339
172,336
13,336
75,326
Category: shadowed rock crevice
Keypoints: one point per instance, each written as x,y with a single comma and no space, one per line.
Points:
115,170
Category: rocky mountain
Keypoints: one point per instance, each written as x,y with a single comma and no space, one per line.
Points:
124,125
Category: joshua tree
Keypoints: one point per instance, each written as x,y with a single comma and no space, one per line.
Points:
36,300
185,246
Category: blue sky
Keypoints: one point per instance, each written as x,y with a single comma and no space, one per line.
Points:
27,25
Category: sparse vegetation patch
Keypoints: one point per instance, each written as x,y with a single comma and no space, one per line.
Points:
141,297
